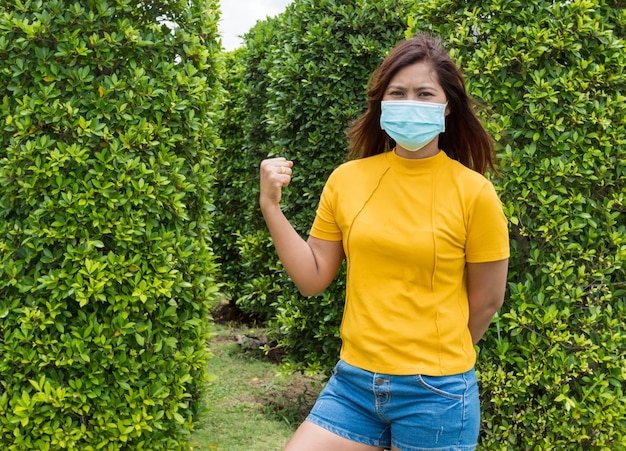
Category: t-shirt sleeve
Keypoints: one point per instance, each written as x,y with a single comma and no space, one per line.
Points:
488,235
325,226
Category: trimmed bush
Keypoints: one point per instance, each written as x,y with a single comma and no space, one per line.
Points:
551,76
105,206
241,240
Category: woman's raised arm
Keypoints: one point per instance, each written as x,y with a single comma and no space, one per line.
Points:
311,264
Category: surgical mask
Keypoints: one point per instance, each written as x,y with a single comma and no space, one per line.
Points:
411,123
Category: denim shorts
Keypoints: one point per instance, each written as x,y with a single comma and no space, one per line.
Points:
412,413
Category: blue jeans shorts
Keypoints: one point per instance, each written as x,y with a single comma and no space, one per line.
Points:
412,413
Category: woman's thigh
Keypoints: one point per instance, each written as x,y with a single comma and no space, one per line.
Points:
311,437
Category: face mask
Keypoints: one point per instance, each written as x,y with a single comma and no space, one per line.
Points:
412,124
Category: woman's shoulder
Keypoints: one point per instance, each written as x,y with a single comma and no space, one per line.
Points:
468,175
358,174
363,165
472,184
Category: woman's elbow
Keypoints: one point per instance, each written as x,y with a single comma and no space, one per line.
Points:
308,291
486,304
497,303
493,304
311,286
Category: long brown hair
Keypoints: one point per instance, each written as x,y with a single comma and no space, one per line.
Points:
465,139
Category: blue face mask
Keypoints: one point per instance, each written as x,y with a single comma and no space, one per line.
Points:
411,123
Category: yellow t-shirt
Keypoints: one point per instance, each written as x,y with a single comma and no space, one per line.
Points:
408,228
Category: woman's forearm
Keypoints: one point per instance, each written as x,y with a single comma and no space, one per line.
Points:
479,320
486,285
311,264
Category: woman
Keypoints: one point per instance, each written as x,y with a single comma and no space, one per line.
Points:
427,250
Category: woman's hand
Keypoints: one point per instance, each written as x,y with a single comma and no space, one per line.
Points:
275,174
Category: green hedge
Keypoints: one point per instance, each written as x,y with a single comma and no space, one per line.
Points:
551,76
294,88
105,207
241,240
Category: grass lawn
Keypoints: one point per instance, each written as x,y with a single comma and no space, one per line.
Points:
250,406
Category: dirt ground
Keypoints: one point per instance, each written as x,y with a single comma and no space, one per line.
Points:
293,397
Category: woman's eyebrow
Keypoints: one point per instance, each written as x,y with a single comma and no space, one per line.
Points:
417,88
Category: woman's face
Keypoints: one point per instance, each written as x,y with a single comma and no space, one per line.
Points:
418,82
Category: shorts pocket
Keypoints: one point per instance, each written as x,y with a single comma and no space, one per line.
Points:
450,387
339,368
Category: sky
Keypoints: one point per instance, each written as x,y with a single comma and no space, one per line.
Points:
238,16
